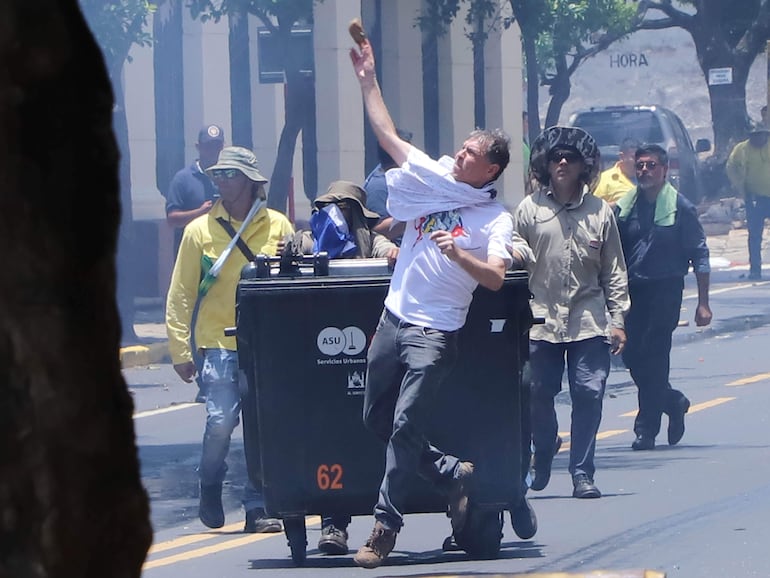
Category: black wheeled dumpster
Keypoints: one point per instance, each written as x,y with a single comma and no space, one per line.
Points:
302,344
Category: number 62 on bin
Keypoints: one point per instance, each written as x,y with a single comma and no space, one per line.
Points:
329,477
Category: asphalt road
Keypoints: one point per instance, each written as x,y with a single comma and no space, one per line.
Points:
697,509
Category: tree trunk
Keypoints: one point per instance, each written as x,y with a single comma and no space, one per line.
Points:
71,498
299,99
284,160
240,79
478,39
716,49
728,116
169,102
533,86
430,96
127,266
560,89
309,142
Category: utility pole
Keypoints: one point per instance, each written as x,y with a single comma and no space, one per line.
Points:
767,104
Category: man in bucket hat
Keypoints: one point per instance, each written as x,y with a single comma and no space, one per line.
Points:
577,278
205,278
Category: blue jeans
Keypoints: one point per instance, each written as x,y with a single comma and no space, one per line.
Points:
406,366
756,212
588,365
220,376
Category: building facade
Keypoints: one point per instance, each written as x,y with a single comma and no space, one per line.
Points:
190,77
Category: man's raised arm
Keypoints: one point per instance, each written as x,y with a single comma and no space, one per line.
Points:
379,117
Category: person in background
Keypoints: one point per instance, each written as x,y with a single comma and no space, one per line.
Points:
662,238
748,168
579,286
377,192
193,285
621,177
191,194
341,226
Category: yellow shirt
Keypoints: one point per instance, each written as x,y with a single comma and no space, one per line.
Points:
204,236
613,184
748,169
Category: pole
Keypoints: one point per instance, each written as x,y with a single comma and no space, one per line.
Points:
764,109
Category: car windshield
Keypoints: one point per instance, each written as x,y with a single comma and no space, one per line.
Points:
609,128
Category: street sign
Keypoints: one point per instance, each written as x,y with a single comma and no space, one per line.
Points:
720,76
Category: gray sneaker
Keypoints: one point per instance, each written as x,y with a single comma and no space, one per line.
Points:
257,522
333,541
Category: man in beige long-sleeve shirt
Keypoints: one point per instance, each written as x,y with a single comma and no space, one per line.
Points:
578,281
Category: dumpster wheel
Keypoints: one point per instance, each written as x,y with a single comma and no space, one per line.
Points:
296,534
482,533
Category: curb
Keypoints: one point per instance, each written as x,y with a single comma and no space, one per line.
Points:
139,355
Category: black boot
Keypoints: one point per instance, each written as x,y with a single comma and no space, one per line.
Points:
210,509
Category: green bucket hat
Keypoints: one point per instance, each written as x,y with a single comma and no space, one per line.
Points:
239,158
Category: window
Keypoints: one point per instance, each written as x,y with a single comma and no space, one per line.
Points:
609,128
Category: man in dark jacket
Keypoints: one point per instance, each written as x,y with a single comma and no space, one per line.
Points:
661,238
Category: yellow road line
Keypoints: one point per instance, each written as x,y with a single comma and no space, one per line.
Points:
600,436
748,380
193,538
207,550
708,404
693,408
200,552
610,433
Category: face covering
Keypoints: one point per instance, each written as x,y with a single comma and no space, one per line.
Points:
331,233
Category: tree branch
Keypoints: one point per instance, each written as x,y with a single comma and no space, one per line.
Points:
266,20
675,18
753,41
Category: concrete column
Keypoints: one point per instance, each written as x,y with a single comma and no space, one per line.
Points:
400,69
456,85
147,203
504,103
206,79
267,106
338,96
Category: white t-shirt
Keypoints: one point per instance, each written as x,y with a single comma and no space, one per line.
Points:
428,289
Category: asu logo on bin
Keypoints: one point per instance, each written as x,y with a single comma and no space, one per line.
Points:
333,341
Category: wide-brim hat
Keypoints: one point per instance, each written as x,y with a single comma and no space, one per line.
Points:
238,158
346,191
563,137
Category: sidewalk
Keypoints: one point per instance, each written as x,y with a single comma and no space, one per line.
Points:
729,249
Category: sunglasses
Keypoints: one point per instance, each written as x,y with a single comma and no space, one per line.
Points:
225,174
649,164
569,156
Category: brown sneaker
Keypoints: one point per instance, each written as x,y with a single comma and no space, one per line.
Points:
458,496
377,547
